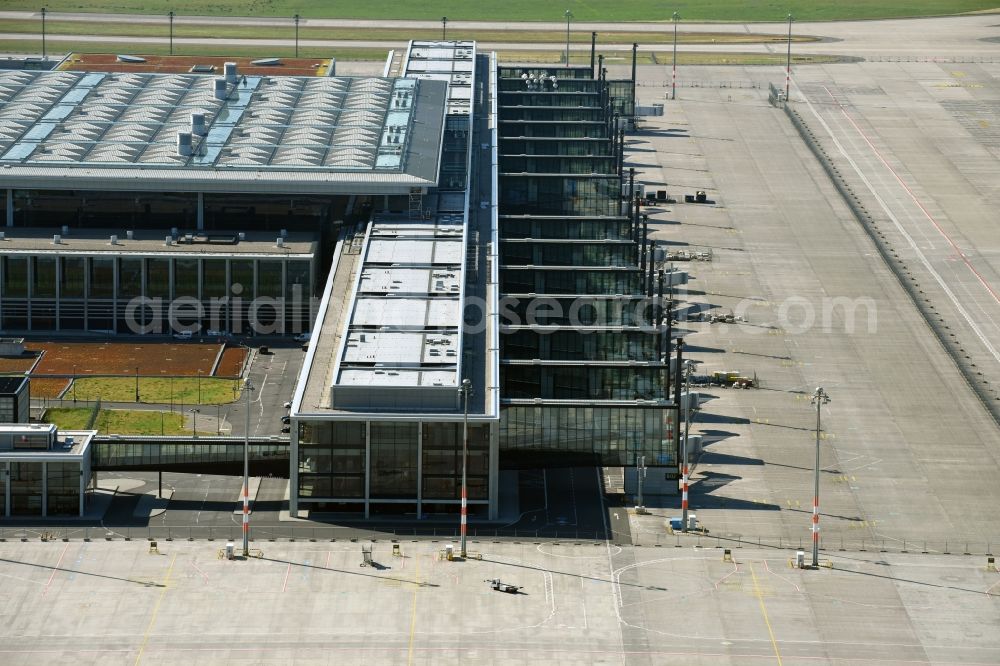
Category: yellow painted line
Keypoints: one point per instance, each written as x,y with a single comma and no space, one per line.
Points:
413,610
763,611
156,609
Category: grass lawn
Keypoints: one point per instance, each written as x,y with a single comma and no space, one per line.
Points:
156,389
122,421
35,46
207,30
528,10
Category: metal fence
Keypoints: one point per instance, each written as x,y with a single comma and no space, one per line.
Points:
290,533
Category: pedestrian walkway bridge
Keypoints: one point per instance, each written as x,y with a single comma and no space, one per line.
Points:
209,455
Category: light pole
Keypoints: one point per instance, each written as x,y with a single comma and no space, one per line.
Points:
788,60
444,27
464,391
248,387
137,384
673,81
199,387
171,16
44,57
688,367
568,15
819,399
296,17
74,384
194,421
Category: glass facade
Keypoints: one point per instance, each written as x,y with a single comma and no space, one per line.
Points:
154,456
26,489
163,210
608,436
577,322
37,489
78,293
62,489
442,461
394,460
407,466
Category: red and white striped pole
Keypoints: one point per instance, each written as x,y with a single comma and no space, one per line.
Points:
246,520
466,387
684,498
465,517
247,388
815,530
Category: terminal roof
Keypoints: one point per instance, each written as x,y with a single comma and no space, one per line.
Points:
314,134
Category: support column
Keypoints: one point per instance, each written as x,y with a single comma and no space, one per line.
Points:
45,489
420,469
293,471
201,211
368,467
59,265
494,479
10,207
83,490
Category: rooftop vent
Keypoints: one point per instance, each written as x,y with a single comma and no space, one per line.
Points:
242,236
284,233
56,239
198,124
184,144
220,90
65,230
229,69
280,241
129,234
114,239
168,241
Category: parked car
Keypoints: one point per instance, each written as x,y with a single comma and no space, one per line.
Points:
285,420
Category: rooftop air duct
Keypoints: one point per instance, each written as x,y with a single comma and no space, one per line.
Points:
198,124
184,144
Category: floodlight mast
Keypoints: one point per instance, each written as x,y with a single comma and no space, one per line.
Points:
248,388
673,79
296,19
819,399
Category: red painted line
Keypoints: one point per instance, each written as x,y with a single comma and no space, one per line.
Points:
203,574
284,585
965,260
55,569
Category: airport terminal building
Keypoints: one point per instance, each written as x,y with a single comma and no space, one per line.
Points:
453,223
